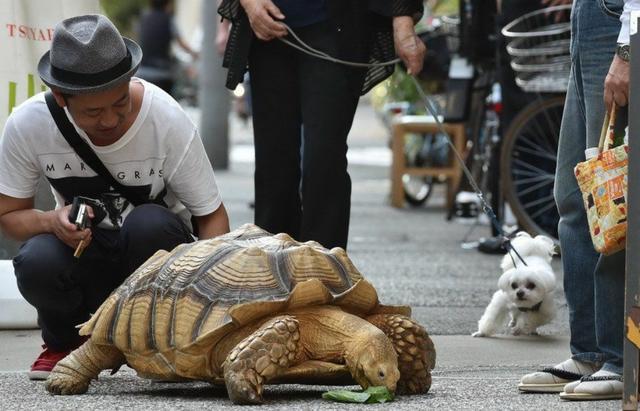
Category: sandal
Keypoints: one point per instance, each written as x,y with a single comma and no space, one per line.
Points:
599,386
549,379
553,379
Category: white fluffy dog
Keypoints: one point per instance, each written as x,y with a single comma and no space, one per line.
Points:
525,292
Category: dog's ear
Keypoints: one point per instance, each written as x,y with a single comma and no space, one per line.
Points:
505,279
547,279
523,234
546,244
506,263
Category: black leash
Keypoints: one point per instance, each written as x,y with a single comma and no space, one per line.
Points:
486,208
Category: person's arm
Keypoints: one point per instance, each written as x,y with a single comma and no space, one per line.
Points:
409,47
213,224
262,16
616,84
177,36
20,221
184,46
405,13
190,176
222,35
19,175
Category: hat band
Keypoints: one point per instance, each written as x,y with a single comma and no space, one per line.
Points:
93,79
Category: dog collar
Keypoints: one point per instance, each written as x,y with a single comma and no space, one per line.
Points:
534,308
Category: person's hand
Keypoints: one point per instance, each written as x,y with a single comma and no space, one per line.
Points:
66,231
409,47
222,36
616,85
262,15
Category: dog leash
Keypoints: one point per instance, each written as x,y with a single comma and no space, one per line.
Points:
428,104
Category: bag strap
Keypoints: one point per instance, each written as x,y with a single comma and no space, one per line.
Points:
606,135
86,153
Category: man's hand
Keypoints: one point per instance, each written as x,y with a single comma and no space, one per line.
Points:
262,15
616,85
408,45
66,231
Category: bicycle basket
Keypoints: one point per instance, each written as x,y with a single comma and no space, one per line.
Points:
539,49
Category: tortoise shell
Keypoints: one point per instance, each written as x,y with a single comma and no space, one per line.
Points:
169,313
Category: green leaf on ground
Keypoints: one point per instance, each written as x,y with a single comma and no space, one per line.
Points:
379,394
372,395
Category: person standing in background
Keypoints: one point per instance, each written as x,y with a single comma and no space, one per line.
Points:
157,31
304,189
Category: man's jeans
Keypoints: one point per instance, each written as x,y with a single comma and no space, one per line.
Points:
593,284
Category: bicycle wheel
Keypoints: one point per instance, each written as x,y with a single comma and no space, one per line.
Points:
528,165
419,152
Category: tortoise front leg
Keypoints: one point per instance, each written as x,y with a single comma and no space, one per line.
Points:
260,357
416,354
73,374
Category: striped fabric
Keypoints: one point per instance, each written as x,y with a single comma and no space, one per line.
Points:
369,19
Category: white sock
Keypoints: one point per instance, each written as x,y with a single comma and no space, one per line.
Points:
576,366
604,373
610,387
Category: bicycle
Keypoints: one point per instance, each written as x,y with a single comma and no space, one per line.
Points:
528,165
527,158
539,48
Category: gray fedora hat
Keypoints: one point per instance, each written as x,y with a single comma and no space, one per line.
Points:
88,55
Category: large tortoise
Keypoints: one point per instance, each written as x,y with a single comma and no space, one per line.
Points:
247,309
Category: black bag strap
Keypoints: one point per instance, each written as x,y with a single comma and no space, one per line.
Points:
86,153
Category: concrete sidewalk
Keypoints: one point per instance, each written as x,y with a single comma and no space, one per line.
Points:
413,257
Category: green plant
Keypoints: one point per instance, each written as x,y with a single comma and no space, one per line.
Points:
123,13
402,88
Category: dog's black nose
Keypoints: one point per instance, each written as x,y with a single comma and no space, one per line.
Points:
520,294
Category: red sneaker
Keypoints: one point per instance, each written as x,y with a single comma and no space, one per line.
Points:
45,362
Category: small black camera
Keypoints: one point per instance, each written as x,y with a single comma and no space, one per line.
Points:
79,214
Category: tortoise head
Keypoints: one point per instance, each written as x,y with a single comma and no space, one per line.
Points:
375,363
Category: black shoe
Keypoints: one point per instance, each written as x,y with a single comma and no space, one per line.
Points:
491,245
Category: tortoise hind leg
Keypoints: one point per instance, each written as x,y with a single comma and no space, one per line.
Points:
416,353
260,357
73,373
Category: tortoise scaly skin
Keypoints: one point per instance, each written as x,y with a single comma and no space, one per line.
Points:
247,309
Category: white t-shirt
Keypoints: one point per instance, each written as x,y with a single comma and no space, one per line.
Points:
161,155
